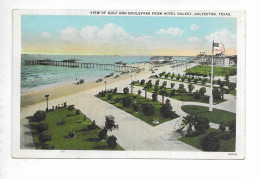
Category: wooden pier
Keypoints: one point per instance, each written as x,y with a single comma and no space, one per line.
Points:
79,64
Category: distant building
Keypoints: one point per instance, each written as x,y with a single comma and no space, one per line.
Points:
203,59
221,61
120,63
161,59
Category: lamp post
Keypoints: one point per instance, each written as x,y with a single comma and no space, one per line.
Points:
47,96
131,85
105,85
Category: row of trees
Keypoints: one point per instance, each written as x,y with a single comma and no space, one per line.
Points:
230,85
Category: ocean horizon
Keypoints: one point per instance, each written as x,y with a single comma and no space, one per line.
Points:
38,76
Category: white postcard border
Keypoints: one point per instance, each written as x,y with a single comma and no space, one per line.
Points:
23,153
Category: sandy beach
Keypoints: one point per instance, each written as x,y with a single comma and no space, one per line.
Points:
35,96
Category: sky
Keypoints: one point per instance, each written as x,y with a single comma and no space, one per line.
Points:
125,35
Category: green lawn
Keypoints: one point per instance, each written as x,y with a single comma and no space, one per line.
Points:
139,101
218,71
225,145
85,139
185,97
216,116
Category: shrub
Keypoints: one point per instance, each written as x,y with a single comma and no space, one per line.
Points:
117,100
166,109
195,80
127,102
221,84
216,93
142,82
84,117
126,90
115,90
189,80
109,124
181,86
172,75
172,85
197,95
154,96
139,92
111,141
219,81
71,133
42,126
191,88
210,143
232,126
183,79
201,124
92,125
71,107
164,84
44,136
157,82
202,91
135,106
78,112
65,104
39,115
172,93
102,134
148,109
232,86
109,96
156,89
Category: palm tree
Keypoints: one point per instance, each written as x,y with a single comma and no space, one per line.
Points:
163,92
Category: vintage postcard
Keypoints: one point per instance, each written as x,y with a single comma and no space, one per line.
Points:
128,84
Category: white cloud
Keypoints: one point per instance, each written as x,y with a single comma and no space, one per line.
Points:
46,35
172,31
222,36
109,33
194,27
112,32
70,34
194,40
89,33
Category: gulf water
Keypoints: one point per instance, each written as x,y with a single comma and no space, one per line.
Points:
37,76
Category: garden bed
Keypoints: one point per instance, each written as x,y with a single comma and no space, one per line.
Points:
62,120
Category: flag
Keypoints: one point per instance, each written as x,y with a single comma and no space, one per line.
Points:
218,48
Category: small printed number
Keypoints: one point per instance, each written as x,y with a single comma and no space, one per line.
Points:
233,154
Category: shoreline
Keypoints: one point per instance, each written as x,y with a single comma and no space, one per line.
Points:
37,95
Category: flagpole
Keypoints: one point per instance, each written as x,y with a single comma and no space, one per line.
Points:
211,81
